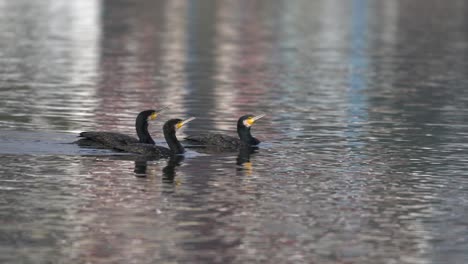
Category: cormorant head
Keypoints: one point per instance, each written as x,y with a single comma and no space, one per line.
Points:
169,129
141,124
149,115
175,124
248,120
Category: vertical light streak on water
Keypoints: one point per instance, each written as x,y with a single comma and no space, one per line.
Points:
389,24
201,64
307,71
332,36
191,38
40,56
85,33
227,55
287,34
174,58
358,61
61,61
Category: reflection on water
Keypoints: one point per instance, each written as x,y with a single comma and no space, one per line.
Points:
168,172
363,154
243,159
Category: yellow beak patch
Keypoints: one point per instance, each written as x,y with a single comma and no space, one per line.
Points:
153,116
250,121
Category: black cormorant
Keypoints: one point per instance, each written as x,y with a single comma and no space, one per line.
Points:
111,139
151,150
220,142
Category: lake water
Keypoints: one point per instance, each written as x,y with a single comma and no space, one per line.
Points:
365,139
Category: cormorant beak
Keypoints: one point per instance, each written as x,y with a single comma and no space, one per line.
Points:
154,115
181,123
251,120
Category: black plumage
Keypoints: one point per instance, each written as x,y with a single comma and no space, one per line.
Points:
169,129
111,140
220,142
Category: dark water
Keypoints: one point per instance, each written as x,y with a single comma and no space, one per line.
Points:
365,142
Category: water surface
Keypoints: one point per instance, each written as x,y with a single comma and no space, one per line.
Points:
364,147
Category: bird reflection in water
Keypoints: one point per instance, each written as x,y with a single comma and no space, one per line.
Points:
141,167
243,159
169,171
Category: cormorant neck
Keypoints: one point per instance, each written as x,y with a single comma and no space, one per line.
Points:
172,142
245,136
142,131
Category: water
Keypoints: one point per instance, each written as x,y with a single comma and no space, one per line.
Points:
364,149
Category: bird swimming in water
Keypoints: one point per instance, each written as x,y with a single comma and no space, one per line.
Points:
109,140
220,142
169,129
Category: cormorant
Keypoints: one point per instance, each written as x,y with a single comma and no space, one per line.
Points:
220,142
111,140
150,150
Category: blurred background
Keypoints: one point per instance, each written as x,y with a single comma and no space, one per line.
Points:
364,147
